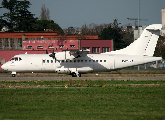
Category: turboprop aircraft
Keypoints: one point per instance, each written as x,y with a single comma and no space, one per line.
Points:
77,62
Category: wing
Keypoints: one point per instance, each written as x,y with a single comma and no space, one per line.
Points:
69,55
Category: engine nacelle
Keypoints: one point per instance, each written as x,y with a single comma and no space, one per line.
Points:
63,55
63,71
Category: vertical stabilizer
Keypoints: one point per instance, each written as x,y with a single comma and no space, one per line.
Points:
145,44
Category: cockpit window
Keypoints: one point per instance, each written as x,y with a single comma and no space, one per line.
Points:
16,59
12,59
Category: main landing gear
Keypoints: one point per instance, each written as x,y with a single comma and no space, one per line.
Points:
76,74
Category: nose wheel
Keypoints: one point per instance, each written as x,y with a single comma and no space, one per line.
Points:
13,74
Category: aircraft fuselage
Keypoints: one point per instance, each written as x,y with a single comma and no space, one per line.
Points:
90,63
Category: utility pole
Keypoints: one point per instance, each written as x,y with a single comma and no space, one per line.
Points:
139,20
138,26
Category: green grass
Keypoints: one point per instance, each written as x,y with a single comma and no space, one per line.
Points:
110,102
77,83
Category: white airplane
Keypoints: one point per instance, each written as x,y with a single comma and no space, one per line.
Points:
77,62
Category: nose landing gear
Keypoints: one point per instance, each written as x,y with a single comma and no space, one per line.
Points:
13,74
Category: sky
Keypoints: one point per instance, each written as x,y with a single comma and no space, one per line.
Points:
75,13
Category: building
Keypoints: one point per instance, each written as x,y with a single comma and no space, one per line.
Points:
97,46
12,44
163,22
163,17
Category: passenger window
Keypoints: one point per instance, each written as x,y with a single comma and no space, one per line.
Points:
43,61
81,60
104,60
47,61
89,60
66,61
62,61
96,60
70,61
74,60
78,60
85,60
93,60
100,60
20,59
51,61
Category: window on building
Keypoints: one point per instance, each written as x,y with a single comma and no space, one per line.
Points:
61,46
29,47
105,49
51,46
40,47
72,46
95,49
85,48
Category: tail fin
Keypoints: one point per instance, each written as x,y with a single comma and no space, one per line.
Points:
145,44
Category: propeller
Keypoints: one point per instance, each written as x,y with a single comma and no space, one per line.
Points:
53,55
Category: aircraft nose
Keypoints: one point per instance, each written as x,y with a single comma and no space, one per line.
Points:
4,67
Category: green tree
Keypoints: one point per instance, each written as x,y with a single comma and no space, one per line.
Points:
160,47
42,25
113,32
18,18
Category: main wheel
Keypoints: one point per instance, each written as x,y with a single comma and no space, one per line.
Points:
13,75
79,75
74,75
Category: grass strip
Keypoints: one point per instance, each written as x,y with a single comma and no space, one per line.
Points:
141,102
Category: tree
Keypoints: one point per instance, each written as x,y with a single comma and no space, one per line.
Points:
18,18
9,19
114,32
160,47
25,19
42,25
44,13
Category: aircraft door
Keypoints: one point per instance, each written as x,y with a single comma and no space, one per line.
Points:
111,62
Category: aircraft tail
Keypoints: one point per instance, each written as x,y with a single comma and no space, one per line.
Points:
145,44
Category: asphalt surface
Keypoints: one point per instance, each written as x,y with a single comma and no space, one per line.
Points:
80,78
